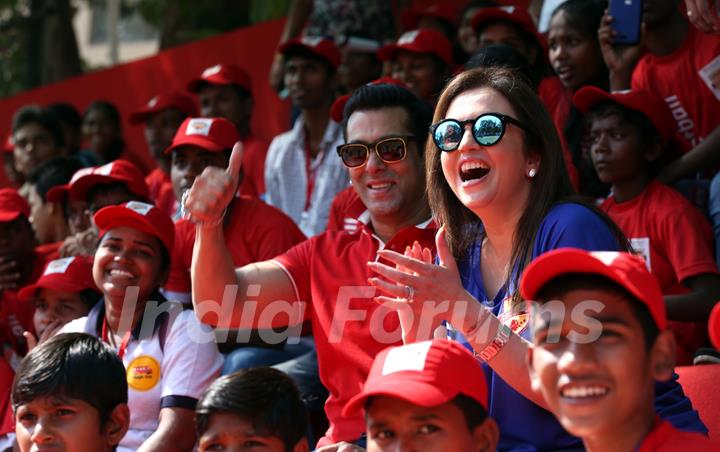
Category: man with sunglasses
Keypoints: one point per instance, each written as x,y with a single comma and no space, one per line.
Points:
325,279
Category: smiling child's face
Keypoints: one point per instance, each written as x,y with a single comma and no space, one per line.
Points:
593,368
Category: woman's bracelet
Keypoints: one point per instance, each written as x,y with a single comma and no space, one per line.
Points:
493,348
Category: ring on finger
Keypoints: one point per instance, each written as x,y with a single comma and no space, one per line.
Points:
411,293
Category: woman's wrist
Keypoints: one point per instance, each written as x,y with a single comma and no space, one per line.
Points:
467,314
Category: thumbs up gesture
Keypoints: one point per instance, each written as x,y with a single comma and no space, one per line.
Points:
213,190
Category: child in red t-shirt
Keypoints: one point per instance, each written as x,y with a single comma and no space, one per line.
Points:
629,131
599,344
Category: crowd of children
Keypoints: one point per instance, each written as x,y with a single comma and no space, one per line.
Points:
376,278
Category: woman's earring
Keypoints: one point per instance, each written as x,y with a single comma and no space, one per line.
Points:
532,173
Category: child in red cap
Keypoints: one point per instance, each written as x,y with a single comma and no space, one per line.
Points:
628,133
600,342
114,183
428,396
169,358
225,91
161,117
65,292
21,263
254,230
422,60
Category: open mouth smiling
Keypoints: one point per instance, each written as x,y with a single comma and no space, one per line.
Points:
473,171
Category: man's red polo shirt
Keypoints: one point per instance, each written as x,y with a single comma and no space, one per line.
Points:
330,274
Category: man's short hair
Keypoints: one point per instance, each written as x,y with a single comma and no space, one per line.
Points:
107,108
75,366
300,52
54,172
30,114
385,95
66,114
265,397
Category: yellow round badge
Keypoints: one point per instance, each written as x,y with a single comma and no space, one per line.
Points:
143,373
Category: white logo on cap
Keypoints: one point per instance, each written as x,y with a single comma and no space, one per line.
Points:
199,126
311,41
508,9
139,207
152,102
408,37
606,257
58,266
212,70
80,173
104,170
621,91
407,357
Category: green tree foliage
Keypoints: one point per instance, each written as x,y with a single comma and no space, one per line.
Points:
37,44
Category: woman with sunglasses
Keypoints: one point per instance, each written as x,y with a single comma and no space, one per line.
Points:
498,185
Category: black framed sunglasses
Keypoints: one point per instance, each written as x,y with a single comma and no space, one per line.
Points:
487,130
389,150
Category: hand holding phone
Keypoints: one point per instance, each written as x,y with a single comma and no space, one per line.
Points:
619,59
627,19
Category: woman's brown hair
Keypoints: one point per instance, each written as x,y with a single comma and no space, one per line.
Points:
550,185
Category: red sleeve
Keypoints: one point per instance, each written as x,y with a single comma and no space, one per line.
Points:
639,76
179,278
336,220
7,424
688,239
255,151
296,263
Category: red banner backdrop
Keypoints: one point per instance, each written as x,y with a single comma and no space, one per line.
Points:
130,86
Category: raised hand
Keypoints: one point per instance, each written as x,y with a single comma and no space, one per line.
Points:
704,15
50,330
620,59
431,292
213,190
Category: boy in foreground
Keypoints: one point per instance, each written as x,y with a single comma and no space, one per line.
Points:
70,394
428,396
601,341
257,408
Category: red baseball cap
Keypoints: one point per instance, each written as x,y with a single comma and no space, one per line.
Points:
71,274
59,193
9,145
119,170
221,74
12,205
338,107
627,270
514,14
714,326
141,216
446,11
419,41
162,102
645,102
322,47
427,373
211,134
